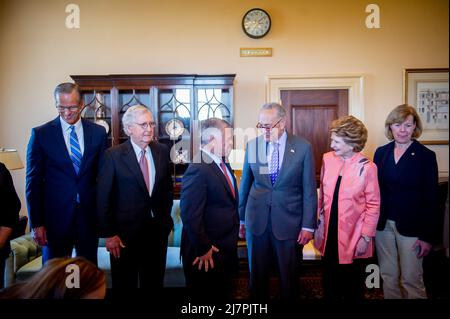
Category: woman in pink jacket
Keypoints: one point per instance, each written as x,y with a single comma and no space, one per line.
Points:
349,207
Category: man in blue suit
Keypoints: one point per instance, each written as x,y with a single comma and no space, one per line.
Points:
278,202
62,165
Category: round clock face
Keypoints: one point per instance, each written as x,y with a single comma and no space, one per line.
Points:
256,23
174,128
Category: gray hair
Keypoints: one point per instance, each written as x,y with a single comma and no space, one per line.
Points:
281,112
130,116
66,88
210,127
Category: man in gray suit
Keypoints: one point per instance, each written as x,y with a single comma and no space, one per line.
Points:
278,202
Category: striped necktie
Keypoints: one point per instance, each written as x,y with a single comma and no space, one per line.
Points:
225,172
75,150
274,165
143,164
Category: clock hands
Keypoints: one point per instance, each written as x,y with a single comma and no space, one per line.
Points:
256,23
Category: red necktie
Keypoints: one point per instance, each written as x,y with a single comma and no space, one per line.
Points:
224,171
144,168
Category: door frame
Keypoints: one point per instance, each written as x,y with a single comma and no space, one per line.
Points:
354,83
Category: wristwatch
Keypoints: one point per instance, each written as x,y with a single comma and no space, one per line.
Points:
366,238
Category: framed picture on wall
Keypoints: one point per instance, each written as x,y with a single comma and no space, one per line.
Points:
427,91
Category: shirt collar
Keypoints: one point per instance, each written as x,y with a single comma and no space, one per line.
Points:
137,149
66,126
214,157
281,140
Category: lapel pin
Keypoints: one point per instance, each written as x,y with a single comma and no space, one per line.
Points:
292,150
413,153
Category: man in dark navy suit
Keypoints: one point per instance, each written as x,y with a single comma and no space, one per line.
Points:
209,211
62,166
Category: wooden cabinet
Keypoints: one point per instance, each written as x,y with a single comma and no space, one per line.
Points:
178,103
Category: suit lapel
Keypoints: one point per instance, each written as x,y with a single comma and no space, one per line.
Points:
289,153
156,155
87,137
61,147
404,161
236,191
218,172
129,157
261,151
389,161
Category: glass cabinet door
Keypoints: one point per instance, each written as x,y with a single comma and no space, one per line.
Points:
126,99
213,102
98,109
174,128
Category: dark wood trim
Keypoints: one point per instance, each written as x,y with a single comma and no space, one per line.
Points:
124,80
438,142
425,70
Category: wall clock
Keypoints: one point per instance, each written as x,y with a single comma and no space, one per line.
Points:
174,128
256,23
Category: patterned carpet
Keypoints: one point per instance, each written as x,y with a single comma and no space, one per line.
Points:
436,278
310,283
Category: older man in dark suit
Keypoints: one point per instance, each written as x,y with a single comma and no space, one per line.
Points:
278,202
209,200
134,203
62,167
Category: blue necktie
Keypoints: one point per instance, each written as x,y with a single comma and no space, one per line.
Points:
274,163
75,150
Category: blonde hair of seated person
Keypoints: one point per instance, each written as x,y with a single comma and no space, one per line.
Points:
51,282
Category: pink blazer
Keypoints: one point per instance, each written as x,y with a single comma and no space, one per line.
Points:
358,205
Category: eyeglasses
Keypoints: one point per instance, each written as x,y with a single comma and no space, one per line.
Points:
267,127
144,126
71,108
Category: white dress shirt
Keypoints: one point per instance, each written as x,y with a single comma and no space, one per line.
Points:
66,133
150,163
282,146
